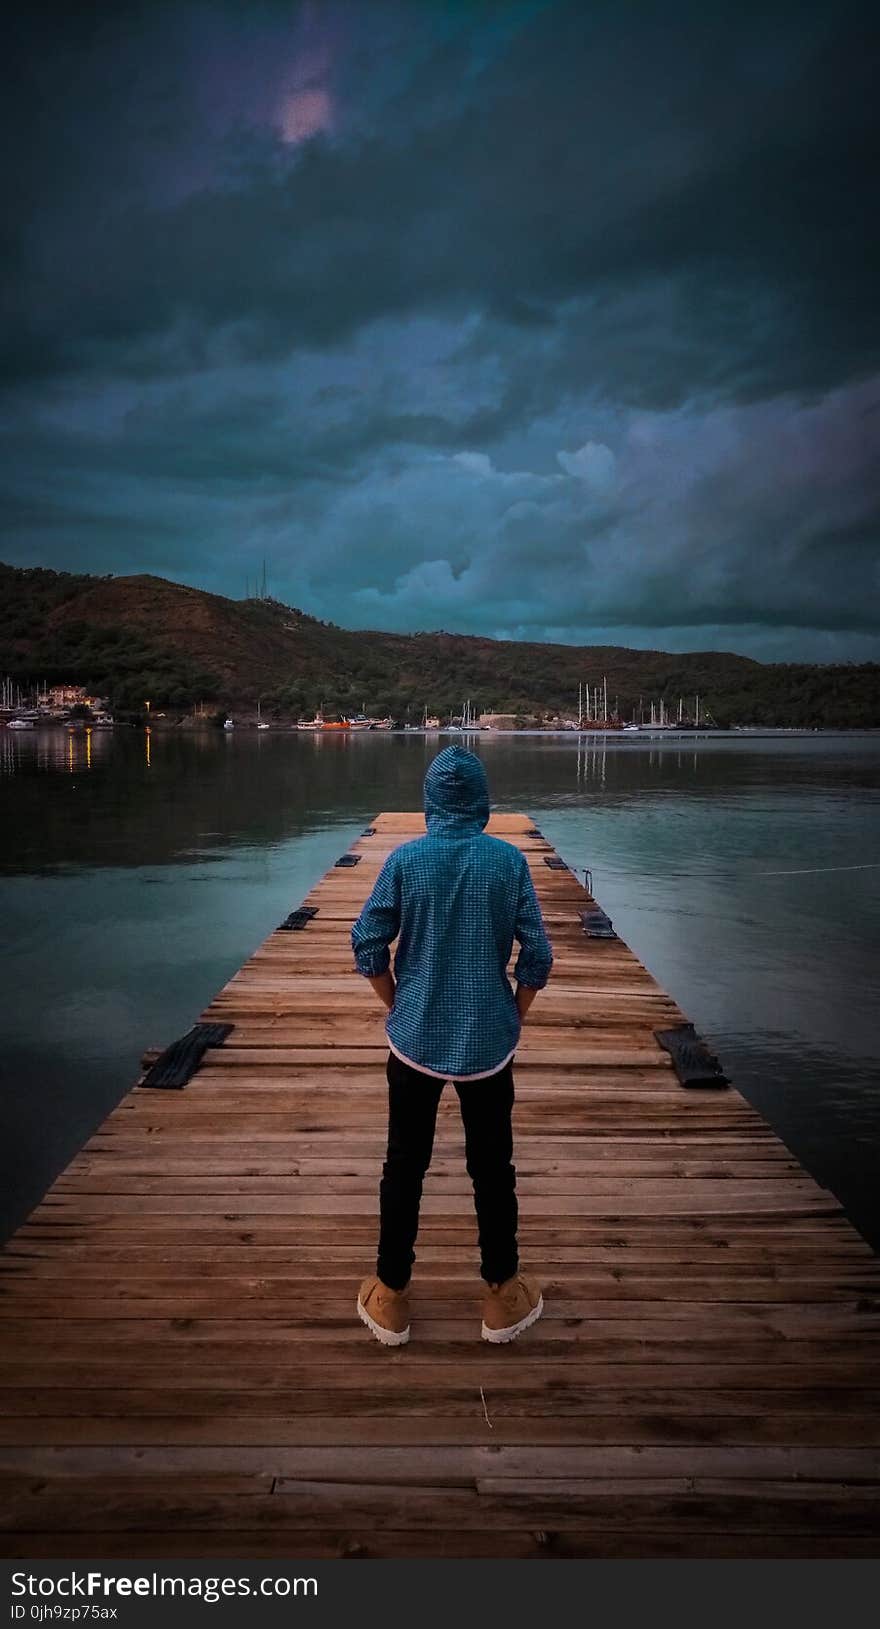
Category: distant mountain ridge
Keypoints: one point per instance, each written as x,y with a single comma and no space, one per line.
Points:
144,637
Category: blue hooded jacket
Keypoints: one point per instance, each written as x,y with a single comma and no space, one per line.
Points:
455,900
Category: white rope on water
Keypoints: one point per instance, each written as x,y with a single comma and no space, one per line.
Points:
814,870
661,876
666,876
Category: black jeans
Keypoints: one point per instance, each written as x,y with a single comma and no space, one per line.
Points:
486,1105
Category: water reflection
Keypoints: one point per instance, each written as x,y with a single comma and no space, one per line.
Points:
590,763
52,751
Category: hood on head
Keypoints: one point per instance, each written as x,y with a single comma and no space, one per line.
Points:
456,792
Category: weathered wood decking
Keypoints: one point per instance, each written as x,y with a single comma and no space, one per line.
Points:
182,1370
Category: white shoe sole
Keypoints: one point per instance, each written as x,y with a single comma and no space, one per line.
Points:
388,1337
498,1337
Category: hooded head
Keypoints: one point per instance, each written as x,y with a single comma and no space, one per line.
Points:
456,794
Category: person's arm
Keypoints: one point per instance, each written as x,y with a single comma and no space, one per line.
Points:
535,957
383,984
525,995
375,930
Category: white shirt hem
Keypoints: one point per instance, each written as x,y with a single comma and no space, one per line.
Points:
436,1074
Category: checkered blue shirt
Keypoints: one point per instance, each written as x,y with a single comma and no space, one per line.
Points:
455,900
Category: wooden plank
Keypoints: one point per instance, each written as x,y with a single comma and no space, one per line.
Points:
672,1504
387,1542
438,1378
444,1465
680,1391
728,1427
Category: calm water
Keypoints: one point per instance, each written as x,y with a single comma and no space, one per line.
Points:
137,874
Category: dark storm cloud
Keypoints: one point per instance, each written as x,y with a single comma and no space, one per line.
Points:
401,295
734,150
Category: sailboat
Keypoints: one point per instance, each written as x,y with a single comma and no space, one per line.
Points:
260,724
468,718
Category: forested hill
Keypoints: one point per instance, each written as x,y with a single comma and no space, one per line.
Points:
138,637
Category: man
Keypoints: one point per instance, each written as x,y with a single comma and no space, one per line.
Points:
455,900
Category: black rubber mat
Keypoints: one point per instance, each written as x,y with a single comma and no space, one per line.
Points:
694,1064
179,1062
298,918
597,925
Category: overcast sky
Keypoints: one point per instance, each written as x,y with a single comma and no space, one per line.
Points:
528,319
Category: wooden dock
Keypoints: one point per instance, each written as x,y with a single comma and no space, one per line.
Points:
183,1373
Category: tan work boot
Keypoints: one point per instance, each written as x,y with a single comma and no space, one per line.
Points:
384,1311
510,1308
